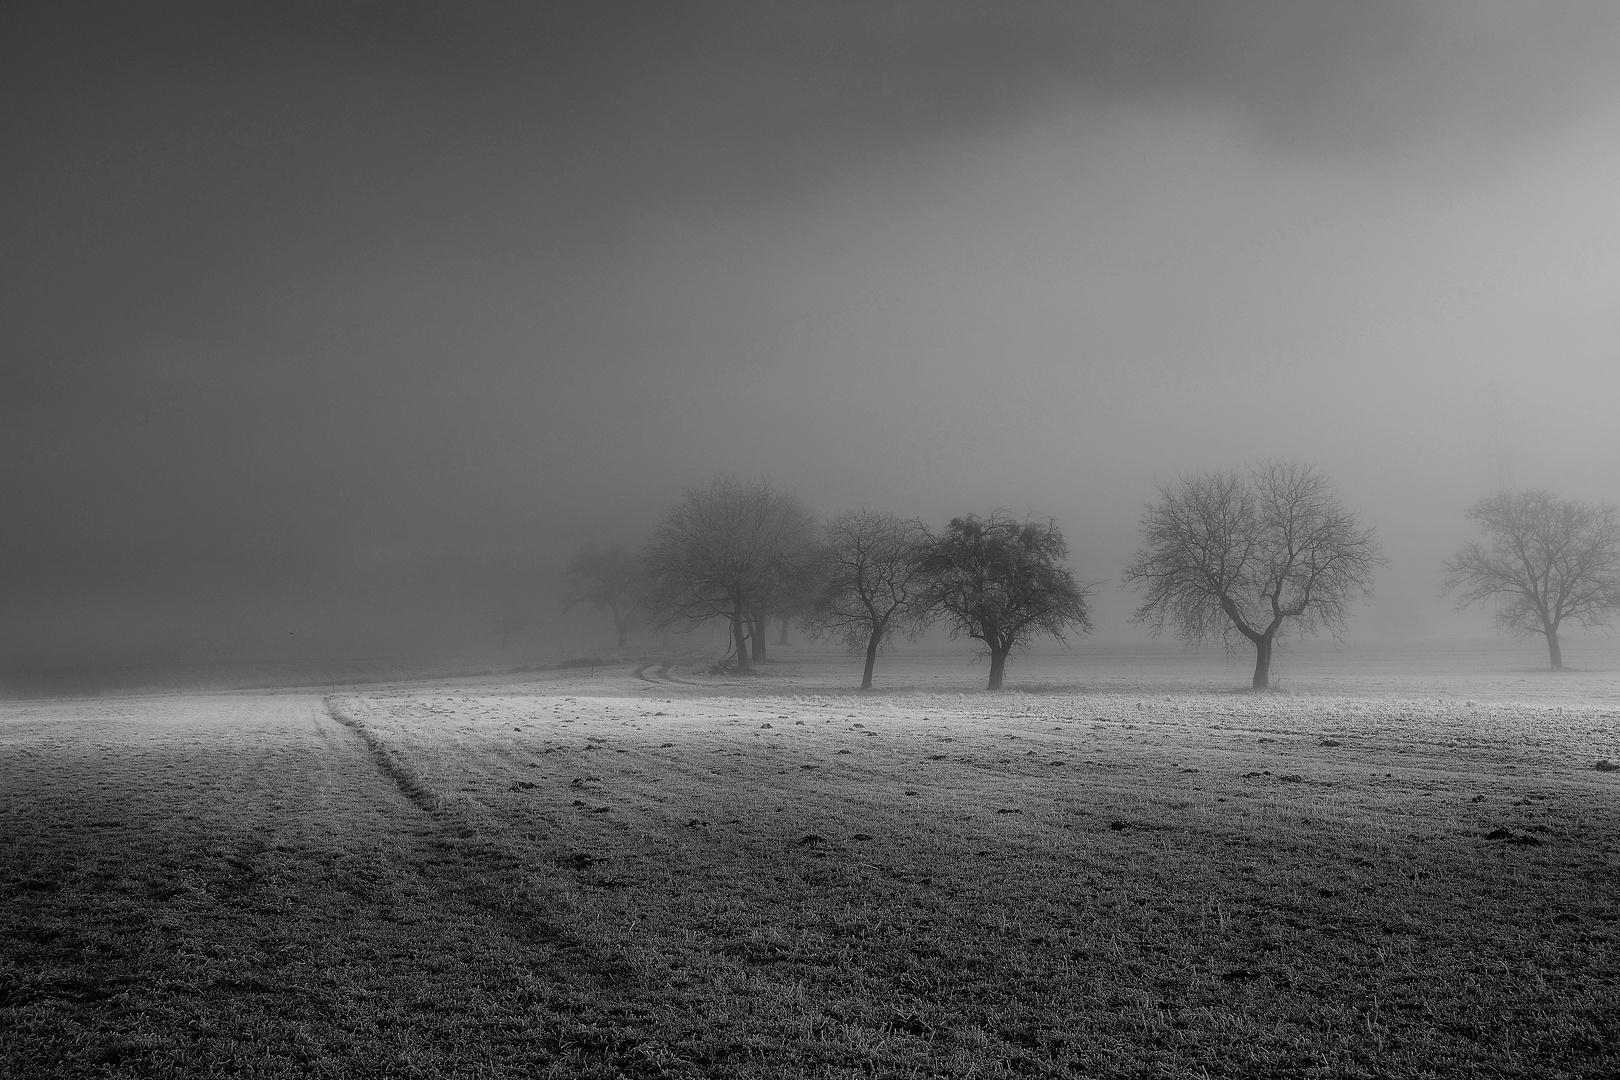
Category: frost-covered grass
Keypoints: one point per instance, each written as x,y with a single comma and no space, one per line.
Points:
667,874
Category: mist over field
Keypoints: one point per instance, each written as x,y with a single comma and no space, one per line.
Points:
334,330
855,538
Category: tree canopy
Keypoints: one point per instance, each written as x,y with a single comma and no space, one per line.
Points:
1550,561
871,581
1242,553
999,580
723,551
607,577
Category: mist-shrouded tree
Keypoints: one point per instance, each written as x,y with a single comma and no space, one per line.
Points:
789,586
511,619
1233,554
609,578
792,573
1550,561
1000,580
722,552
793,594
523,594
872,584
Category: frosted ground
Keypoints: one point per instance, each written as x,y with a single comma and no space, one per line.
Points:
1402,864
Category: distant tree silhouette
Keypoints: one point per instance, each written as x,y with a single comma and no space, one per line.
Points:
511,620
793,591
609,578
1242,553
1550,561
723,552
872,583
999,580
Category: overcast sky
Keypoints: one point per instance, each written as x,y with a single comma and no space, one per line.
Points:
333,319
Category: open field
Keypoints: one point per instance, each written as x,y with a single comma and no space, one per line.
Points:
647,871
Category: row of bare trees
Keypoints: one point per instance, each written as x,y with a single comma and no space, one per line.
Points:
746,552
998,580
1235,555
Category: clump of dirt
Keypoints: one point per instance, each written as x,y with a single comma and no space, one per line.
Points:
1239,975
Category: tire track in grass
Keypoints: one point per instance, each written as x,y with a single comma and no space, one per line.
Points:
474,836
394,766
225,886
282,901
661,675
487,866
719,870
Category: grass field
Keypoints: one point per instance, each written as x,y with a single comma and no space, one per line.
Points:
645,871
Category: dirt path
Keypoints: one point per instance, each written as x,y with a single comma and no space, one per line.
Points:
660,674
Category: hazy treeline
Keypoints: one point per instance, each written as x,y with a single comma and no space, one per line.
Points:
1238,555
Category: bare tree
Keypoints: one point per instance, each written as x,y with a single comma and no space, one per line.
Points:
999,580
511,620
721,551
794,592
608,578
1242,553
521,597
872,582
1550,560
789,582
789,585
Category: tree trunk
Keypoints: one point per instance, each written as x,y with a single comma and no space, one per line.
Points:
781,639
1262,663
871,658
739,635
1553,651
757,637
624,632
998,666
